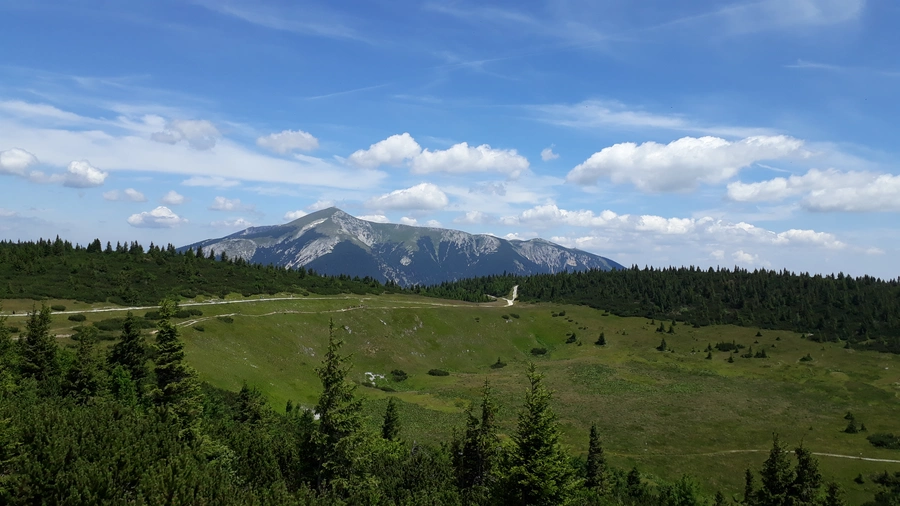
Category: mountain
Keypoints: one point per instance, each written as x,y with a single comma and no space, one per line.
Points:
333,242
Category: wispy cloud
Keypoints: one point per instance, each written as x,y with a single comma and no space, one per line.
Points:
809,65
346,92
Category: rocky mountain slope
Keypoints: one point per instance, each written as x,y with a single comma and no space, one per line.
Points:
333,242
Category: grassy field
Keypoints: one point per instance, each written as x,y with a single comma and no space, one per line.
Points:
668,412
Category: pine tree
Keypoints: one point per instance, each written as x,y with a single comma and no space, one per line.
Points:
340,419
122,387
539,473
476,459
634,486
807,478
662,346
390,429
595,469
177,392
83,378
749,488
834,496
8,359
709,355
251,406
38,354
777,476
601,341
130,352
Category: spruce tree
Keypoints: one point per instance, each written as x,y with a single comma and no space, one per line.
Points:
177,391
340,419
8,359
834,496
601,341
777,476
251,406
749,488
390,428
83,378
476,460
539,473
130,351
807,478
38,354
595,469
662,346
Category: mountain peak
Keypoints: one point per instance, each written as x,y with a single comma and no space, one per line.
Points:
333,242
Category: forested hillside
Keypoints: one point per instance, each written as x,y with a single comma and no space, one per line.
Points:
128,274
135,426
864,312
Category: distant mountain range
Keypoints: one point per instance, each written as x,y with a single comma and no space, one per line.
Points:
333,242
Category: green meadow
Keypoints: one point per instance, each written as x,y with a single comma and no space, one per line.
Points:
666,412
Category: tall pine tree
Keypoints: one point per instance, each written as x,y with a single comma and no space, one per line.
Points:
777,476
807,478
477,457
38,355
595,470
539,473
390,429
177,391
83,378
130,351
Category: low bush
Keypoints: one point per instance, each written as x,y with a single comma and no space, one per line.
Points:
399,375
498,364
199,328
58,307
438,372
152,315
514,315
883,440
77,318
225,319
538,351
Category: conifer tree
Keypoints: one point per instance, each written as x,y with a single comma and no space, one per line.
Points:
634,486
539,473
8,359
776,476
476,460
340,421
595,469
130,351
807,478
834,496
83,378
662,346
38,355
601,341
390,428
122,387
177,392
749,488
251,406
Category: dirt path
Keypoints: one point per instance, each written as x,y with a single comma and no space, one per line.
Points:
727,452
515,293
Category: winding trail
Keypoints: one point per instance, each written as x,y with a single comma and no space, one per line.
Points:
515,293
727,452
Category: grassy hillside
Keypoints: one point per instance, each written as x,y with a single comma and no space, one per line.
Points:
668,412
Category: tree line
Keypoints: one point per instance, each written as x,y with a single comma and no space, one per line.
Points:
134,425
863,312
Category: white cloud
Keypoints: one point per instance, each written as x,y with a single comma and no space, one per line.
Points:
293,215
377,218
199,134
681,164
319,205
828,190
129,194
287,141
547,154
749,259
875,251
236,223
409,221
718,254
473,218
81,174
16,161
173,198
225,204
161,217
433,224
211,182
392,151
421,196
462,158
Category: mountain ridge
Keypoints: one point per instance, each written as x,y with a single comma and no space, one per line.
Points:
333,242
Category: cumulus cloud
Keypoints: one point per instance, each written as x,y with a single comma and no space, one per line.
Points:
705,229
236,223
287,141
199,134
82,174
225,204
293,215
319,205
718,254
173,198
421,196
743,258
472,218
828,190
211,182
462,158
433,223
681,164
547,154
377,218
392,151
128,194
16,161
409,221
161,217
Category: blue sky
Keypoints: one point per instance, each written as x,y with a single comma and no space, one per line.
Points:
758,134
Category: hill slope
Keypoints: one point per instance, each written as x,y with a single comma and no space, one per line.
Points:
333,242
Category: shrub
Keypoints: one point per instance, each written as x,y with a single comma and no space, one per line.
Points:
187,313
498,364
58,307
571,339
225,319
562,313
13,330
152,315
385,388
538,351
807,358
758,334
554,315
438,372
399,375
505,317
514,315
77,318
199,328
882,440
